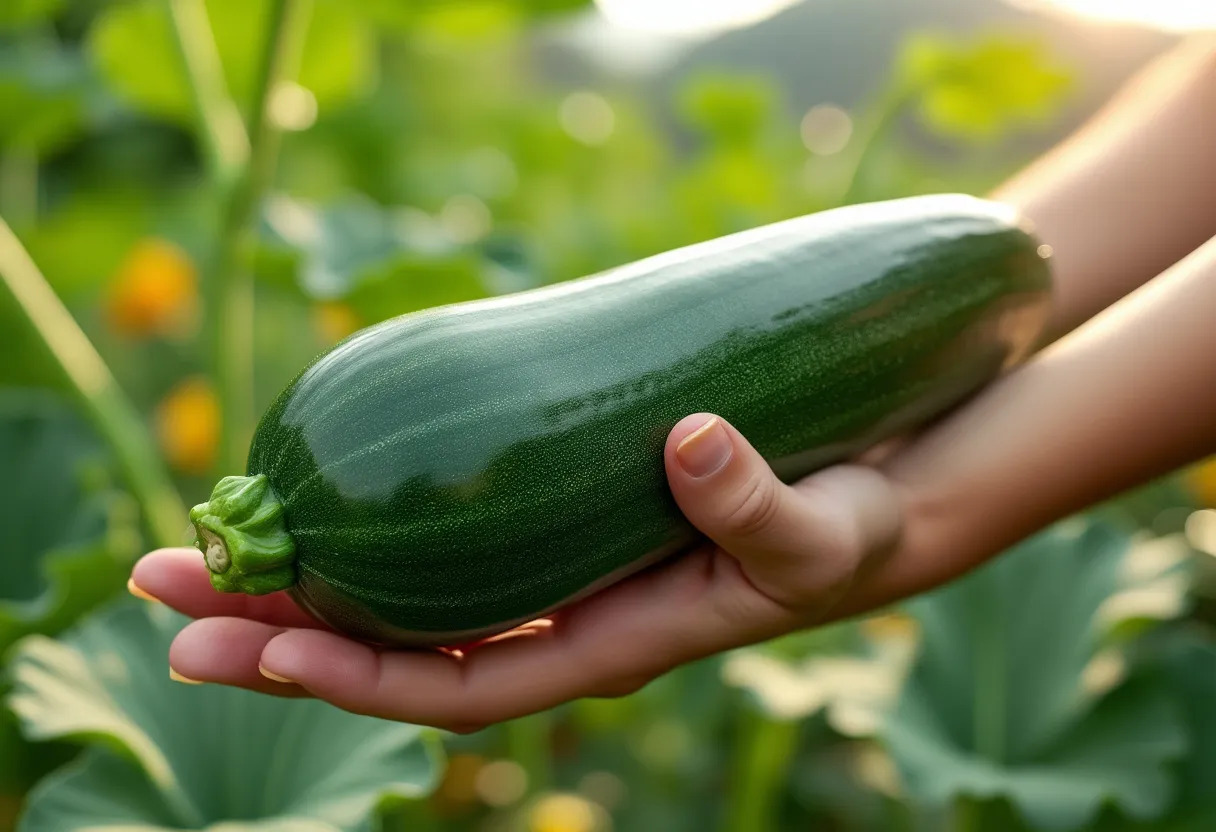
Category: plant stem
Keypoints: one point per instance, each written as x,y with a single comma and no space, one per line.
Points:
87,375
19,185
229,276
969,815
991,683
766,748
528,745
884,115
221,132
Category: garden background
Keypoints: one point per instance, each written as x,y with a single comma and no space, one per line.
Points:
198,196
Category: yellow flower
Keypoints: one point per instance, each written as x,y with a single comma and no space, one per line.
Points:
188,426
564,813
154,292
334,320
1202,481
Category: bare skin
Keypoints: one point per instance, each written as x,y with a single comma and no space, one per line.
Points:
1126,392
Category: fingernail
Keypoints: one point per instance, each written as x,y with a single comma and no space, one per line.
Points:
185,680
274,677
140,593
705,450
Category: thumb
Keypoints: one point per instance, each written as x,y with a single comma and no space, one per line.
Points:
800,545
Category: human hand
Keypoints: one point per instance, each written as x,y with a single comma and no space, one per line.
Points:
780,558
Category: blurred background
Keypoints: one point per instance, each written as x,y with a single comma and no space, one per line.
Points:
198,196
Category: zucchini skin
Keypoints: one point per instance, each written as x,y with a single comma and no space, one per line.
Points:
449,474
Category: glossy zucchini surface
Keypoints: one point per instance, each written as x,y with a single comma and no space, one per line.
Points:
452,473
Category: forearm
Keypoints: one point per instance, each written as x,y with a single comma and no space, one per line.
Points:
1133,191
1127,397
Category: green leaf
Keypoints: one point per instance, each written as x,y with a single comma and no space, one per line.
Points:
197,756
730,110
101,789
1186,660
382,263
133,46
43,90
412,282
404,17
66,539
16,13
1004,700
82,242
982,89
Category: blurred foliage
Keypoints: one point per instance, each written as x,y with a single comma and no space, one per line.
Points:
1006,704
42,95
68,535
429,158
132,46
67,540
980,90
240,757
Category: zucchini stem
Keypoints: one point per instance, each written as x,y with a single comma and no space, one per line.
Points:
243,537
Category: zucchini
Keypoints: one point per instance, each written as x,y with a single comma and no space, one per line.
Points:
449,474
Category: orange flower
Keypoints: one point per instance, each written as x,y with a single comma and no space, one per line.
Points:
154,292
334,320
1202,481
188,426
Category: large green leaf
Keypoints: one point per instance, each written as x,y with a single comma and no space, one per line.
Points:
1187,659
66,541
132,44
65,538
381,262
850,672
197,757
1005,699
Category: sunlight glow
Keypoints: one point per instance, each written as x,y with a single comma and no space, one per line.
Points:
689,17
1172,15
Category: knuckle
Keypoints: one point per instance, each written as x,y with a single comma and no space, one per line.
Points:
755,507
838,529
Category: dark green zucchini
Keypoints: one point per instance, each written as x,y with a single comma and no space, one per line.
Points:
449,474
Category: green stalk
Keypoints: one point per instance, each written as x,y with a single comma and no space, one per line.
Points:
528,741
229,275
991,685
884,115
87,375
19,185
762,762
969,815
221,132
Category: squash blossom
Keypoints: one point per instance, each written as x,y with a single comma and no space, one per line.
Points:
188,426
154,292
